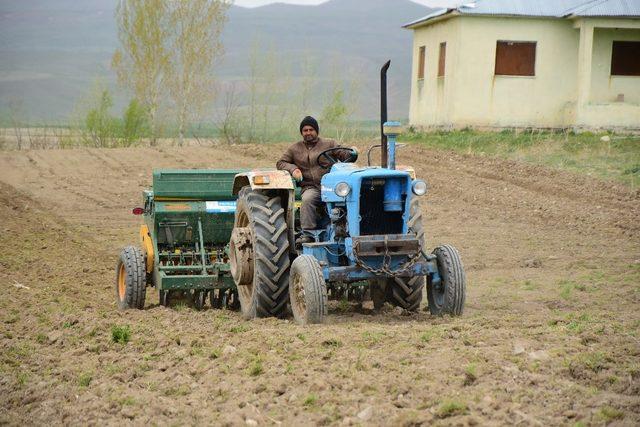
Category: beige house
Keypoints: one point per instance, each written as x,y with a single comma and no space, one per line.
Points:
528,63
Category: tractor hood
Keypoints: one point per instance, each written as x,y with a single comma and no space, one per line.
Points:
353,175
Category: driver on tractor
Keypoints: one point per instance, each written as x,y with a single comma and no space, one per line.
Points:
302,161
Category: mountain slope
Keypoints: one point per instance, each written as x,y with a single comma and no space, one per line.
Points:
53,51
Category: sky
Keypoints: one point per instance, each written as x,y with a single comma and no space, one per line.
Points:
255,3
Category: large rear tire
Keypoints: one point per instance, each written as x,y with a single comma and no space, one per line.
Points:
263,285
307,290
402,291
448,296
131,281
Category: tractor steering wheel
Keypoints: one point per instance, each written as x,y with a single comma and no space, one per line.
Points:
353,156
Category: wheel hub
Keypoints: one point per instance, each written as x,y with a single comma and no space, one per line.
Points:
122,284
241,256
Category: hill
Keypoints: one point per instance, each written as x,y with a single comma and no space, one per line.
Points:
53,51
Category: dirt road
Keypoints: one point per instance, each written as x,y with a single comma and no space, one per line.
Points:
550,334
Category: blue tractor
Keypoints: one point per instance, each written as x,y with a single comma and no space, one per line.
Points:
373,242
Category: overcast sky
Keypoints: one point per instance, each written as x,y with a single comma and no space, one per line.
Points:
254,3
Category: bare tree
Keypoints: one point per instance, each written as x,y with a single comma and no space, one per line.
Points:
228,120
195,29
16,116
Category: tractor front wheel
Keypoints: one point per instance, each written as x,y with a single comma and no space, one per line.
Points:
447,297
131,282
307,291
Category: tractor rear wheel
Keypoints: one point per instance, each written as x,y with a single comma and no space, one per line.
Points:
406,292
131,281
448,296
259,255
307,290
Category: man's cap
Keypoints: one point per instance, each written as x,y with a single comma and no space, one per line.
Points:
309,121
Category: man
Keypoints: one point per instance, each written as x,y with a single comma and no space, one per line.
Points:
300,160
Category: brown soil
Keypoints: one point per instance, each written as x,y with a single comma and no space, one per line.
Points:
550,334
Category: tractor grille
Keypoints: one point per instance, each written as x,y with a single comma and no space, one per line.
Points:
374,219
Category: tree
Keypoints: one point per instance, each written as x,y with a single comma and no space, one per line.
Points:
100,126
142,60
135,123
194,42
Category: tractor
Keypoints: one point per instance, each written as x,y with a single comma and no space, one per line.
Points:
232,235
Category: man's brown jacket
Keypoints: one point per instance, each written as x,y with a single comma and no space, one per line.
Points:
303,156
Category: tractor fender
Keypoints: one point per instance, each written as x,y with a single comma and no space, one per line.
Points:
147,247
269,179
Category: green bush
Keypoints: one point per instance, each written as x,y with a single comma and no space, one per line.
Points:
100,126
135,123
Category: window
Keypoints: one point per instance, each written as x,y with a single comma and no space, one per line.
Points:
515,58
421,62
625,59
441,59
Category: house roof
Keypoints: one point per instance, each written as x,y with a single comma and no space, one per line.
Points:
540,8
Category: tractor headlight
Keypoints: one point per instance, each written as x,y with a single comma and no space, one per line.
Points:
342,189
419,187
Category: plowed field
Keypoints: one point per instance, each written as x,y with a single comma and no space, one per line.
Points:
550,334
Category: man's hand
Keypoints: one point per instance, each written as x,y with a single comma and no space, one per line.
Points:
297,175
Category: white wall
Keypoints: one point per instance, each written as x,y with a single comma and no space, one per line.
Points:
471,95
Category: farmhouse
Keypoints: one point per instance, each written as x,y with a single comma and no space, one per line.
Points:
528,63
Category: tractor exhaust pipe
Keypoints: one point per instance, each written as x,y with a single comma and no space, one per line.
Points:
383,112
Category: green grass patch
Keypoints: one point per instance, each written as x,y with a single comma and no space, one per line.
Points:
120,334
239,329
332,343
427,336
470,374
374,337
182,390
22,377
608,414
451,408
84,379
586,153
310,400
256,368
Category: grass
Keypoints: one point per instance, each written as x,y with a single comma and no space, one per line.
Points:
586,153
608,414
310,400
256,368
451,408
427,336
239,329
470,374
120,334
332,343
84,380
